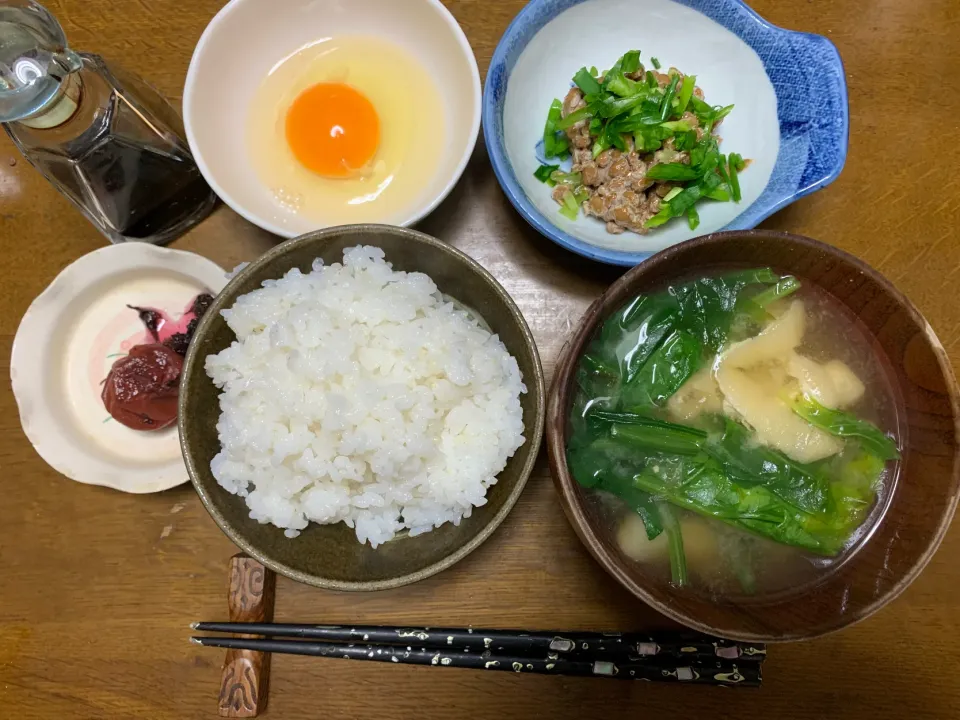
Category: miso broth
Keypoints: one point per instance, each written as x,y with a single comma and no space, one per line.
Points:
744,420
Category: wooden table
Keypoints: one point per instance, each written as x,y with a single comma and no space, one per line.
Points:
97,588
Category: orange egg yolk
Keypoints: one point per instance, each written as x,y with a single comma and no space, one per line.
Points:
332,129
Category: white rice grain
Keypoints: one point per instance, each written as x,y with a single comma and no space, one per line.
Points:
358,394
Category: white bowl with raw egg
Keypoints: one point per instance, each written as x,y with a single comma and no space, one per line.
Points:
304,114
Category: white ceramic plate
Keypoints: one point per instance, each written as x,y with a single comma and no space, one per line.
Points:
67,341
247,38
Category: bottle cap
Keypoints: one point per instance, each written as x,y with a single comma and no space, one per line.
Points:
35,66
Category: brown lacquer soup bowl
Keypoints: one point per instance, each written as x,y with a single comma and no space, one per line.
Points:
916,510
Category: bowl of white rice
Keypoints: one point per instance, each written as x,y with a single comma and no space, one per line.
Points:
361,407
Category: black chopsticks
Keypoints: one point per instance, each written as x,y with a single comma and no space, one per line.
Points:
690,658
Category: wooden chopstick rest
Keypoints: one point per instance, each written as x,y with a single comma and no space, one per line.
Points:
246,673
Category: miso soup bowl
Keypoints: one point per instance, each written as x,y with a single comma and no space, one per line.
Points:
919,508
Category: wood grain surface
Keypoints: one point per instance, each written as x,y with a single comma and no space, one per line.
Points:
245,678
97,588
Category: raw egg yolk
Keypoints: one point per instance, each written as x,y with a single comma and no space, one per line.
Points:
332,129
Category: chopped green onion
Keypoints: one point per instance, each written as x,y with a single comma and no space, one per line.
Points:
677,172
734,179
719,113
665,214
647,138
722,169
543,173
613,106
720,194
686,92
625,87
601,144
685,200
644,144
616,138
666,107
638,122
709,182
630,62
710,162
586,82
553,146
678,205
565,178
619,110
612,73
706,154
676,125
570,208
573,118
685,140
700,107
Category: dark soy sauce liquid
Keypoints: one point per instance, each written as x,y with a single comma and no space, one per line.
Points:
143,192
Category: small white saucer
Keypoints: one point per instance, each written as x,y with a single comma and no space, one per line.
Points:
66,344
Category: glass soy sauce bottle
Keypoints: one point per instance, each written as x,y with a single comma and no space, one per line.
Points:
102,137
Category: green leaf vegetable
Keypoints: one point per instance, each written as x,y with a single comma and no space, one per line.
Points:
845,425
678,559
806,487
620,443
705,308
701,485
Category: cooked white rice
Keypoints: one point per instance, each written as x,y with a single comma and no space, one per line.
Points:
355,393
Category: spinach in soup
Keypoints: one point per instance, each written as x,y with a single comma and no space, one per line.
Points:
718,398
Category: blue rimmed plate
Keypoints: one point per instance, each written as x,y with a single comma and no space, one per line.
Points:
790,119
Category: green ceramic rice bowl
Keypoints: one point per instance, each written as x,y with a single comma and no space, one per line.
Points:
331,556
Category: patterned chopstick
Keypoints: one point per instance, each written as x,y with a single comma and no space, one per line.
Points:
715,672
686,647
